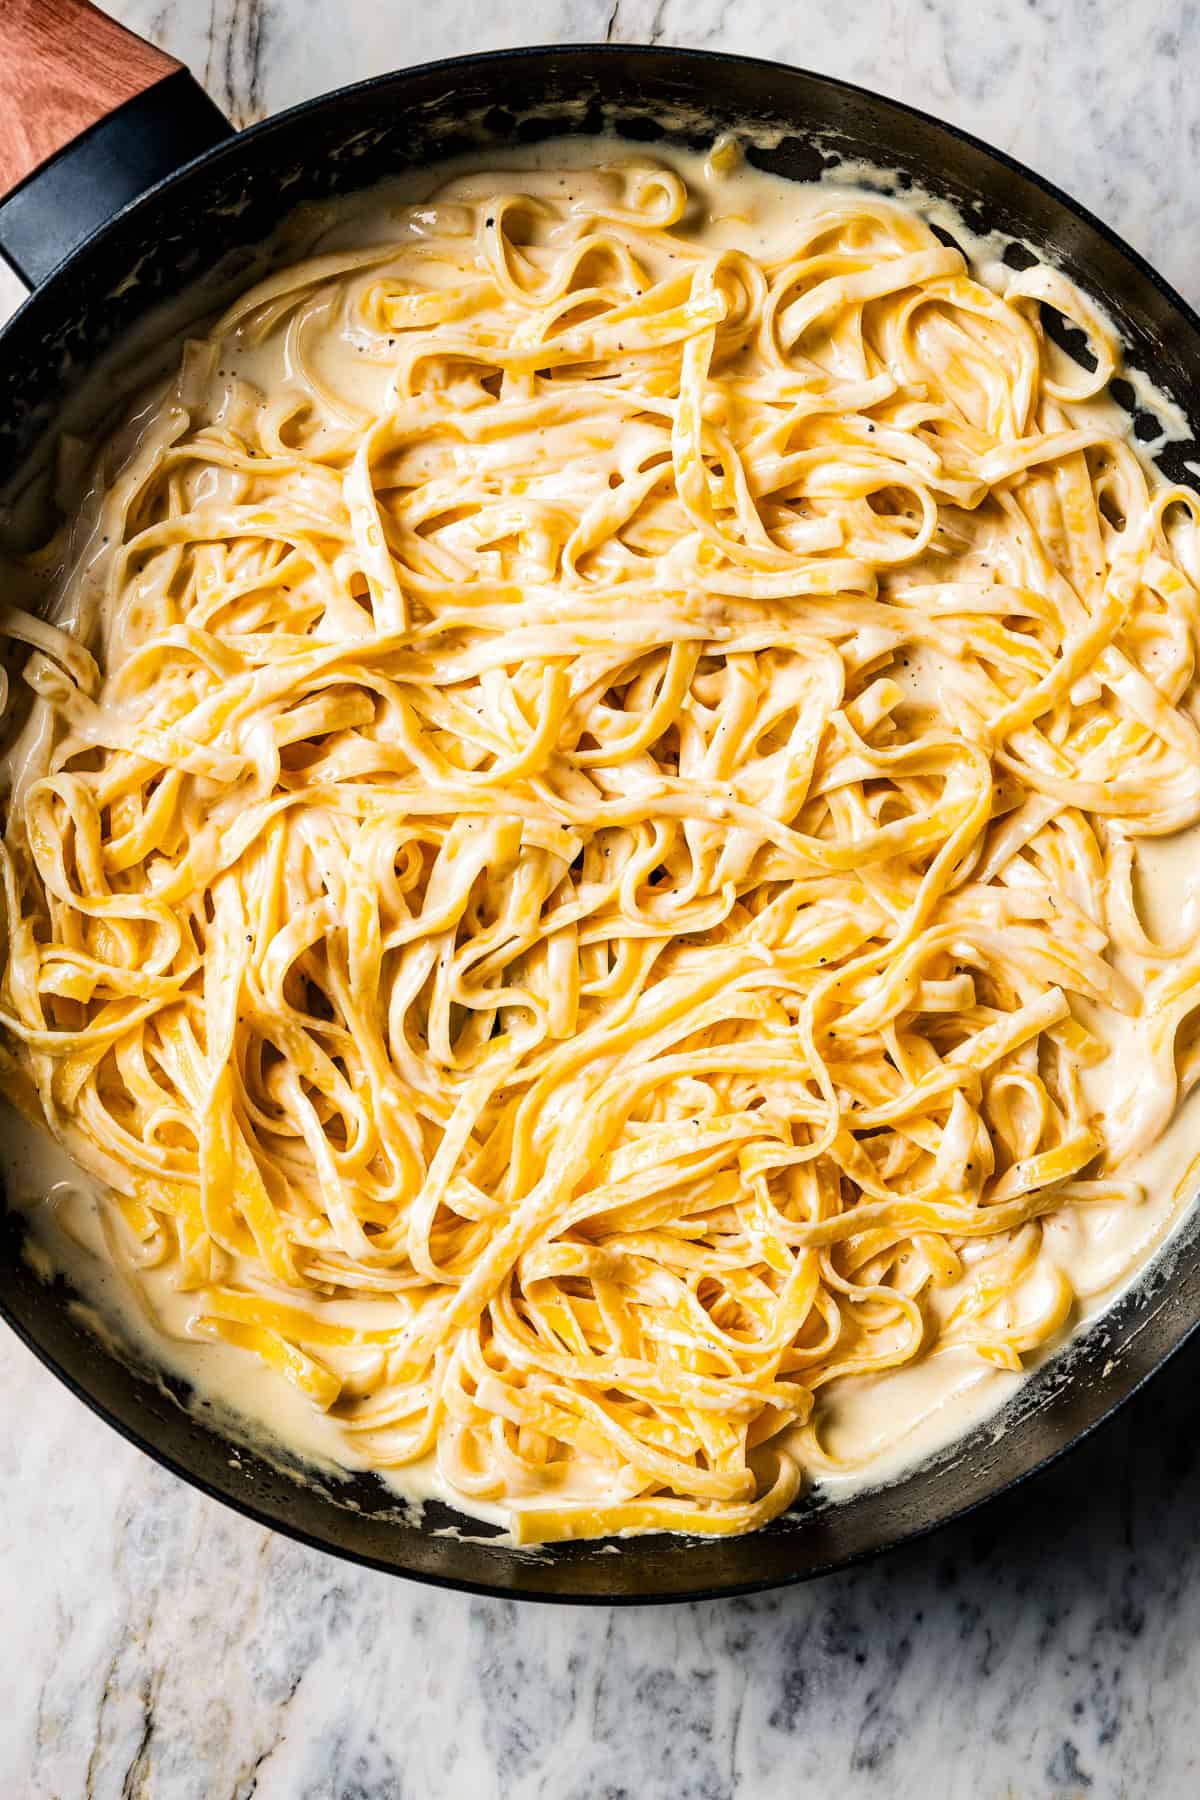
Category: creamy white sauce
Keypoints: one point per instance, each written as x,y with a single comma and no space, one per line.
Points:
881,1425
139,1312
886,1424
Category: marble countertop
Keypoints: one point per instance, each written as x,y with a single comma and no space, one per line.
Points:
157,1647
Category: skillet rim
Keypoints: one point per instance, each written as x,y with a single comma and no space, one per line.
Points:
231,148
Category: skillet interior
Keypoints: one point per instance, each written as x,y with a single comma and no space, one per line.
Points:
216,212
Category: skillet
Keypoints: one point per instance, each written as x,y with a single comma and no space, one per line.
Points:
147,191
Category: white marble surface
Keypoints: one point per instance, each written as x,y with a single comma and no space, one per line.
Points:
155,1645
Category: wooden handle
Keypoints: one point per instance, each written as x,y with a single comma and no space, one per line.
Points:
63,66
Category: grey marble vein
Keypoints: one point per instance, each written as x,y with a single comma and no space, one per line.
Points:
155,1645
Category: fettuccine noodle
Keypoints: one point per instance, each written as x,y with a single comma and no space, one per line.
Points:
572,869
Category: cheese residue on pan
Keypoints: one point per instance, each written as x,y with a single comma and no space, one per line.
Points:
575,861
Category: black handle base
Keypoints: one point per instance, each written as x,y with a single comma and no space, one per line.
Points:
53,210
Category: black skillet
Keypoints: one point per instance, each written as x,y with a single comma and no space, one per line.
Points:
99,258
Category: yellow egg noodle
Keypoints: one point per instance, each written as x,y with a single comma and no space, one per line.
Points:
571,903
